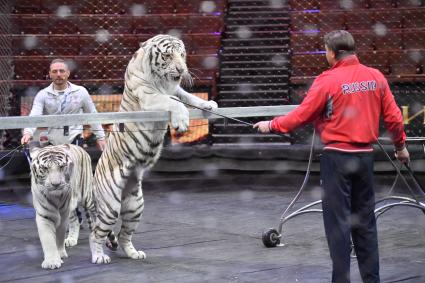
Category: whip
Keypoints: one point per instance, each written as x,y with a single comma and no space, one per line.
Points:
227,117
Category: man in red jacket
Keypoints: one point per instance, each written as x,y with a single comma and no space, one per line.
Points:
345,104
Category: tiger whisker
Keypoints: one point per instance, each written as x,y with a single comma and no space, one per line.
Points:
196,69
194,75
187,80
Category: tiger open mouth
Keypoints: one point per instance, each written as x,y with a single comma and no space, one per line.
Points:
176,78
56,188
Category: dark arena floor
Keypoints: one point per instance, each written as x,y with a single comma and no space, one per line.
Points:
217,188
207,228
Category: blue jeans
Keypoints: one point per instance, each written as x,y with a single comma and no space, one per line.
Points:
348,210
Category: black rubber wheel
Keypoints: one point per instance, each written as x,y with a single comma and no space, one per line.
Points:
271,238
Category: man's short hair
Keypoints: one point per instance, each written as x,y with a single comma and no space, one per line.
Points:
58,60
341,42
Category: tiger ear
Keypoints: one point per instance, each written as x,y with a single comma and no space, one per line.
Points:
70,166
34,151
69,169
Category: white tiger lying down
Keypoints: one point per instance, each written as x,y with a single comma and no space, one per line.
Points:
153,75
61,177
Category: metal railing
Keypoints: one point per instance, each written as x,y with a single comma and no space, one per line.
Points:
20,122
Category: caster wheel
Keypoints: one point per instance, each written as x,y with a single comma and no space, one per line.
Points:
271,238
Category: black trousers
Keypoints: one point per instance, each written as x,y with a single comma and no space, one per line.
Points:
78,140
348,210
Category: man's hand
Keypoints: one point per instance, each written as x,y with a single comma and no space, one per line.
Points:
403,155
101,144
263,127
26,139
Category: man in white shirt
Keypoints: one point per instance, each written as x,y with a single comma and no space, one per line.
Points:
63,97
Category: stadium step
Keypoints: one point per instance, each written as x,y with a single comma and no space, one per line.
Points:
235,41
257,95
277,61
248,56
255,20
252,9
258,27
264,14
242,34
249,2
257,6
231,87
256,49
254,79
253,71
254,65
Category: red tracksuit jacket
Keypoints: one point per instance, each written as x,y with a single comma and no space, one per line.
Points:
345,103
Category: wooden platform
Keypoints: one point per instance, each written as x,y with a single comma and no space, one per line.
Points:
207,228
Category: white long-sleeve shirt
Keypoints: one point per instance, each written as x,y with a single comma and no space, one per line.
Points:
73,100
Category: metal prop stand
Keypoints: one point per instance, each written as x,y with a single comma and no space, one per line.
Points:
272,237
391,200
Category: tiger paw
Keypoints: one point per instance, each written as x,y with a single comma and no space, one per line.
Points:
137,255
131,252
70,242
100,259
97,254
51,263
63,253
209,105
180,117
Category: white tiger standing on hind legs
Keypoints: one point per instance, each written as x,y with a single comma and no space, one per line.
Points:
61,177
153,75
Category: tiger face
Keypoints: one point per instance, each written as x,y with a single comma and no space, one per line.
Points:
51,170
167,58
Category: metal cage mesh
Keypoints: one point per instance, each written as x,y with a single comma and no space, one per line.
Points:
97,38
241,53
390,36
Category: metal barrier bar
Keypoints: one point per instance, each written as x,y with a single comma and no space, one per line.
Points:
19,122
